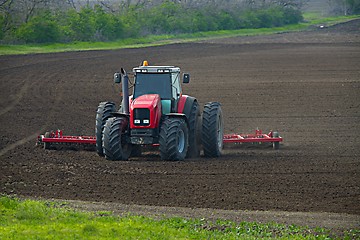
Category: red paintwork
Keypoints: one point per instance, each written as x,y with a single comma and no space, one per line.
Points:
181,103
151,102
257,137
57,137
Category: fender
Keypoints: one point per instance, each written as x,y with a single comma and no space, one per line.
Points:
119,114
185,104
178,115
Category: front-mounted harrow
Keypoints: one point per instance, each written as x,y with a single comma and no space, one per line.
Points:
158,114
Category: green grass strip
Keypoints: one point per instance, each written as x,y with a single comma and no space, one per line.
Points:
29,219
156,40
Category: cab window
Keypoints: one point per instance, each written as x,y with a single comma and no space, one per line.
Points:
153,83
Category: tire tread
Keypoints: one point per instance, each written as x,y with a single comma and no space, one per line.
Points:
209,129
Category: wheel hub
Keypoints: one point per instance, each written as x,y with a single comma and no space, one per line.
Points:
181,140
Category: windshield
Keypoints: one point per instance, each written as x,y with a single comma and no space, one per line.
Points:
153,83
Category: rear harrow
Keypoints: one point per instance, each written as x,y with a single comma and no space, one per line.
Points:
257,137
57,137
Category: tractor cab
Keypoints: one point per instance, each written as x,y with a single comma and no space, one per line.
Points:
161,80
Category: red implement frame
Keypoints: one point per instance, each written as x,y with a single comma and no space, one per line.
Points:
258,137
251,138
58,137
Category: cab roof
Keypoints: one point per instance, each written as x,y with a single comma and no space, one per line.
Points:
156,69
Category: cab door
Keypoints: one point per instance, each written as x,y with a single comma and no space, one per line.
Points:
176,90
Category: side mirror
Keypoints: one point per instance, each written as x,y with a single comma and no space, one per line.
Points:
117,77
186,78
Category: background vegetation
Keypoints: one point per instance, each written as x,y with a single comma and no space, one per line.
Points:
66,21
49,21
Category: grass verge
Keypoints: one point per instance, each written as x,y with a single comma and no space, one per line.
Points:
310,20
29,219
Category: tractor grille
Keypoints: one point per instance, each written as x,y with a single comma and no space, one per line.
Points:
141,117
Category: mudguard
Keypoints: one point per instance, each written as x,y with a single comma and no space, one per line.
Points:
185,105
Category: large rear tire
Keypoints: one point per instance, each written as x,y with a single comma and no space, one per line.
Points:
103,113
115,145
173,139
194,131
212,130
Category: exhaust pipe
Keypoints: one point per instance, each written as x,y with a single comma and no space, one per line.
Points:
125,90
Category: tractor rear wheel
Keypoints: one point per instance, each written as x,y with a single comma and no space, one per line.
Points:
114,141
173,139
103,112
212,130
194,132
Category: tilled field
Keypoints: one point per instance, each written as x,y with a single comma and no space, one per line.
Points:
305,85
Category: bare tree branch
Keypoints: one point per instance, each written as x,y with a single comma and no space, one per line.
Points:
71,3
3,3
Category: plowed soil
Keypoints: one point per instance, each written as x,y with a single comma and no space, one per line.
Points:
305,85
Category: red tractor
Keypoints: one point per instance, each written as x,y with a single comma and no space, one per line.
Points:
157,113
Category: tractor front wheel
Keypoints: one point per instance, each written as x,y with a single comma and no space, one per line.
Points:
103,112
114,141
173,139
212,130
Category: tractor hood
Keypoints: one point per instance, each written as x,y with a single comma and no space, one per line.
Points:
145,111
146,101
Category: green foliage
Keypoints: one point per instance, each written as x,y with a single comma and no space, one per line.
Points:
81,24
292,16
88,24
94,23
2,23
156,40
271,17
8,203
344,7
32,211
29,219
228,21
354,6
107,26
40,29
170,17
131,21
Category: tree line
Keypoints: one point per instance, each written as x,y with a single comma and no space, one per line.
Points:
344,7
50,21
